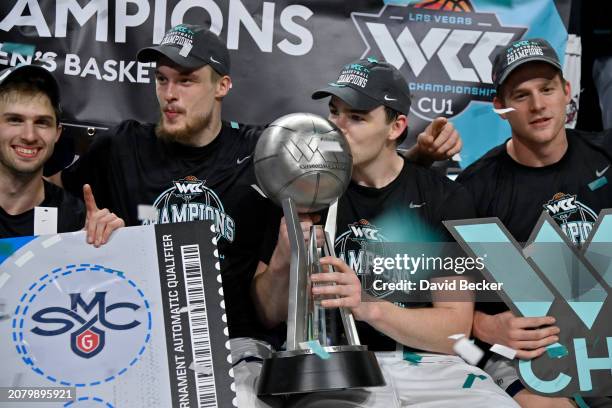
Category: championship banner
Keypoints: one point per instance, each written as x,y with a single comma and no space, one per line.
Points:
138,322
283,50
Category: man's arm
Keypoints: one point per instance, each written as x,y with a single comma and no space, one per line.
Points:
439,141
421,328
270,286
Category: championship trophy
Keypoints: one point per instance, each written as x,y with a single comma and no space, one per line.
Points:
303,163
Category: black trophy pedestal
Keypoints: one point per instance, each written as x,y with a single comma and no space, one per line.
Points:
300,371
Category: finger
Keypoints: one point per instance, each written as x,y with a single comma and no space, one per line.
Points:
339,302
446,146
529,355
332,290
425,139
455,149
532,322
90,201
338,264
115,224
537,334
534,345
437,125
102,224
93,219
337,277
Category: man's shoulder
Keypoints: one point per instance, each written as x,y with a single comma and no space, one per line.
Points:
484,166
601,140
130,130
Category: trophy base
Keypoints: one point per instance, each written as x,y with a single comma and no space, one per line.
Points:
300,371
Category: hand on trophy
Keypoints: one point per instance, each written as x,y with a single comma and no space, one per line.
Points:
281,256
345,290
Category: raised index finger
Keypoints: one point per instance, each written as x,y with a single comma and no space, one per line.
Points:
90,201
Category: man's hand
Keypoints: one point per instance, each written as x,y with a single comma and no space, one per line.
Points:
529,336
281,256
440,140
99,224
340,288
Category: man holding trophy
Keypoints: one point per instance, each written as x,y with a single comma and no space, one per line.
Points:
369,103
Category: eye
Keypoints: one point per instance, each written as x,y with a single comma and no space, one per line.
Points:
14,119
43,123
357,118
160,79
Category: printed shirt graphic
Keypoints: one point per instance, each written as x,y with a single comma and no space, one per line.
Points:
575,218
189,199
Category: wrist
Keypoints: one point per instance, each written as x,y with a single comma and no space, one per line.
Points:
479,326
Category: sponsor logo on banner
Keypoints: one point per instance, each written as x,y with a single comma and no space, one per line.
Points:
190,200
445,53
86,340
82,325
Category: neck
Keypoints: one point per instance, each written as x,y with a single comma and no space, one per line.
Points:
21,193
210,131
537,154
379,172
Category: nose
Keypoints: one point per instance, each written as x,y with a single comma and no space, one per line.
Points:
169,92
537,102
29,132
340,121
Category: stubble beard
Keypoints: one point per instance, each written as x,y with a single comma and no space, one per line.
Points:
186,133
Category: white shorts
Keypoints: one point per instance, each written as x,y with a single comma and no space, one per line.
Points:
437,381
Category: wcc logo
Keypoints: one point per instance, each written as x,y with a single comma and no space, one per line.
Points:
551,276
444,50
86,322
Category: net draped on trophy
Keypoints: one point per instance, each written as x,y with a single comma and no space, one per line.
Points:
303,163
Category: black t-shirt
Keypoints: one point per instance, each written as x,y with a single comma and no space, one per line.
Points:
409,209
573,191
131,166
70,214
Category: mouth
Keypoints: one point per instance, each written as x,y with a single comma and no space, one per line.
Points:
540,122
26,152
171,114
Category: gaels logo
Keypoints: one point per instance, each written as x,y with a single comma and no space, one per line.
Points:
87,339
443,48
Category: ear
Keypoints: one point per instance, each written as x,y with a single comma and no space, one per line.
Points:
58,132
223,86
567,88
498,104
397,127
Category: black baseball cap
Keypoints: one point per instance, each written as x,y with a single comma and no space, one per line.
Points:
36,74
368,83
190,46
520,52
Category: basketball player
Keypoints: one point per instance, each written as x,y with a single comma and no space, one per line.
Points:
540,165
401,202
29,129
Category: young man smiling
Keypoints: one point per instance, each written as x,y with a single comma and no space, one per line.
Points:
401,202
541,165
29,129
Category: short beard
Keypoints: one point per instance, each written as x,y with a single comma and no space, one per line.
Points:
187,133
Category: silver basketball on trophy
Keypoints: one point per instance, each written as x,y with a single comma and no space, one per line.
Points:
305,157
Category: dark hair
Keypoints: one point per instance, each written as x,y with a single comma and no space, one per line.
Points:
391,115
30,85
